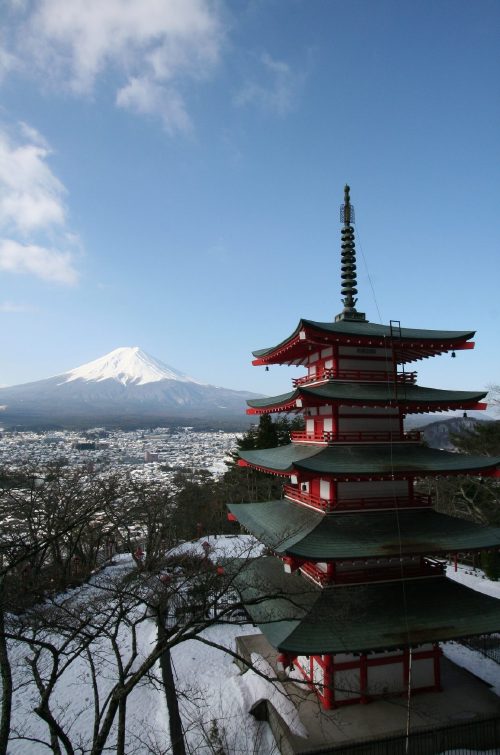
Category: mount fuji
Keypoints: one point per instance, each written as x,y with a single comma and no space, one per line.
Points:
126,388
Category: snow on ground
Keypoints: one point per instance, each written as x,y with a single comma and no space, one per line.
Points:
221,546
475,578
215,698
475,662
213,689
72,701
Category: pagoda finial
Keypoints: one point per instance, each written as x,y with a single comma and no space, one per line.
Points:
348,262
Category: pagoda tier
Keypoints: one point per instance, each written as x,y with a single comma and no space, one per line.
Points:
290,529
410,399
344,342
366,461
301,618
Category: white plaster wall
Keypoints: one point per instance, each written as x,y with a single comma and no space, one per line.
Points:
366,351
347,363
324,489
346,684
383,680
348,490
353,424
385,411
422,673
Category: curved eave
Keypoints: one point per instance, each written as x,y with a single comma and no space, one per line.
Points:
412,399
293,530
410,344
302,619
364,461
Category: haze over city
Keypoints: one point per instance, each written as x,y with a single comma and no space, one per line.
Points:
171,174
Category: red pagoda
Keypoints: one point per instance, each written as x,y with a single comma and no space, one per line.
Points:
355,598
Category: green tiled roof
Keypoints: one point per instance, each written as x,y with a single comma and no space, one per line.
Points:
361,393
300,618
372,330
365,460
289,528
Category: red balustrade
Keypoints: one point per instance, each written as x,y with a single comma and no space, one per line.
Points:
367,375
374,573
356,504
295,494
387,502
361,436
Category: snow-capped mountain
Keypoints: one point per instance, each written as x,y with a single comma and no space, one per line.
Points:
127,387
127,365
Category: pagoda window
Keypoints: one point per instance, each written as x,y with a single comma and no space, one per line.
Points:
328,424
327,352
313,357
325,410
312,370
329,364
310,425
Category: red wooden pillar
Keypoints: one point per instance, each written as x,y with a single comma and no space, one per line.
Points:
328,678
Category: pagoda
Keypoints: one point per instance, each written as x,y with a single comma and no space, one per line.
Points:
355,598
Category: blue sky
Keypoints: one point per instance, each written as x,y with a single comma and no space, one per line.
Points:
171,173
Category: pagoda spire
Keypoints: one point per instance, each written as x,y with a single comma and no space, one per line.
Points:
348,262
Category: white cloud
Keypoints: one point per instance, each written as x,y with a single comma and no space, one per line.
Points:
31,196
32,210
276,90
144,96
150,47
48,264
8,307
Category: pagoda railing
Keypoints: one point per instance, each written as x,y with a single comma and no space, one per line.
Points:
387,502
368,375
355,504
296,494
372,573
354,437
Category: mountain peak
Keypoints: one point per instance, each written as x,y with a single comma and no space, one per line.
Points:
128,365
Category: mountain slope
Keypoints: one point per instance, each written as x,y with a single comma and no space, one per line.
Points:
125,387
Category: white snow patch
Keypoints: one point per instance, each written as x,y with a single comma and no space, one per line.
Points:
222,546
127,365
474,578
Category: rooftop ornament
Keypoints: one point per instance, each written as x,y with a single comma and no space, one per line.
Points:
348,263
